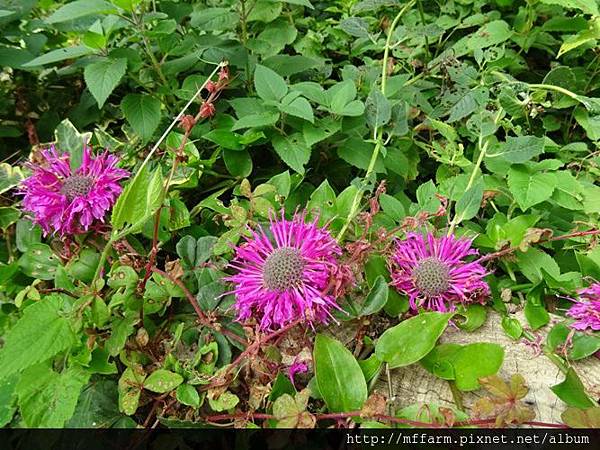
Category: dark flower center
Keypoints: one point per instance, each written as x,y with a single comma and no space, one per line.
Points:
431,276
76,186
283,269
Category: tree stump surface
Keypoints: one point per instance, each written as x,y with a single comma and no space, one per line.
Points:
414,384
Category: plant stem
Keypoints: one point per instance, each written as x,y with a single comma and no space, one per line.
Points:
378,131
483,146
422,15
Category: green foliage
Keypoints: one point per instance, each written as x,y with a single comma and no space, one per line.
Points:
482,118
339,377
412,339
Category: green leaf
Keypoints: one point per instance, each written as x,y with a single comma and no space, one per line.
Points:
81,8
370,366
84,265
292,150
9,177
259,120
103,77
530,188
8,216
195,252
225,401
355,26
572,392
582,418
411,339
97,406
225,138
130,389
339,377
377,297
60,54
8,398
532,261
377,109
69,139
161,381
518,149
474,361
469,203
47,399
534,310
41,333
299,107
587,6
269,85
512,327
188,395
439,361
39,262
139,200
27,234
474,317
143,114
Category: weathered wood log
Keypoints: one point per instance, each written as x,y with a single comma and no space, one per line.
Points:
414,384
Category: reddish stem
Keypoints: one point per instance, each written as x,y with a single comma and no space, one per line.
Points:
508,251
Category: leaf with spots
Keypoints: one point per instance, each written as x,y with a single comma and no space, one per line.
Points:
161,381
39,262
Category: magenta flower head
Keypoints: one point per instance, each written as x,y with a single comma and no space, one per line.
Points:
64,201
283,273
434,275
586,310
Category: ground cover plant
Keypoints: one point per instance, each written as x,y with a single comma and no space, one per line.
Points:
255,213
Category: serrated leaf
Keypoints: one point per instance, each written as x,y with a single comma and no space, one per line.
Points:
143,114
355,26
103,77
47,399
299,107
530,188
40,334
69,139
377,108
292,150
518,149
269,84
469,203
60,54
81,8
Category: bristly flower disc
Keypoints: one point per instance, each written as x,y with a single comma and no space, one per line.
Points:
586,310
434,275
65,202
283,273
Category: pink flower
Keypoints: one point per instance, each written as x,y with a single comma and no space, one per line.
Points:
283,273
296,368
66,202
586,310
434,275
